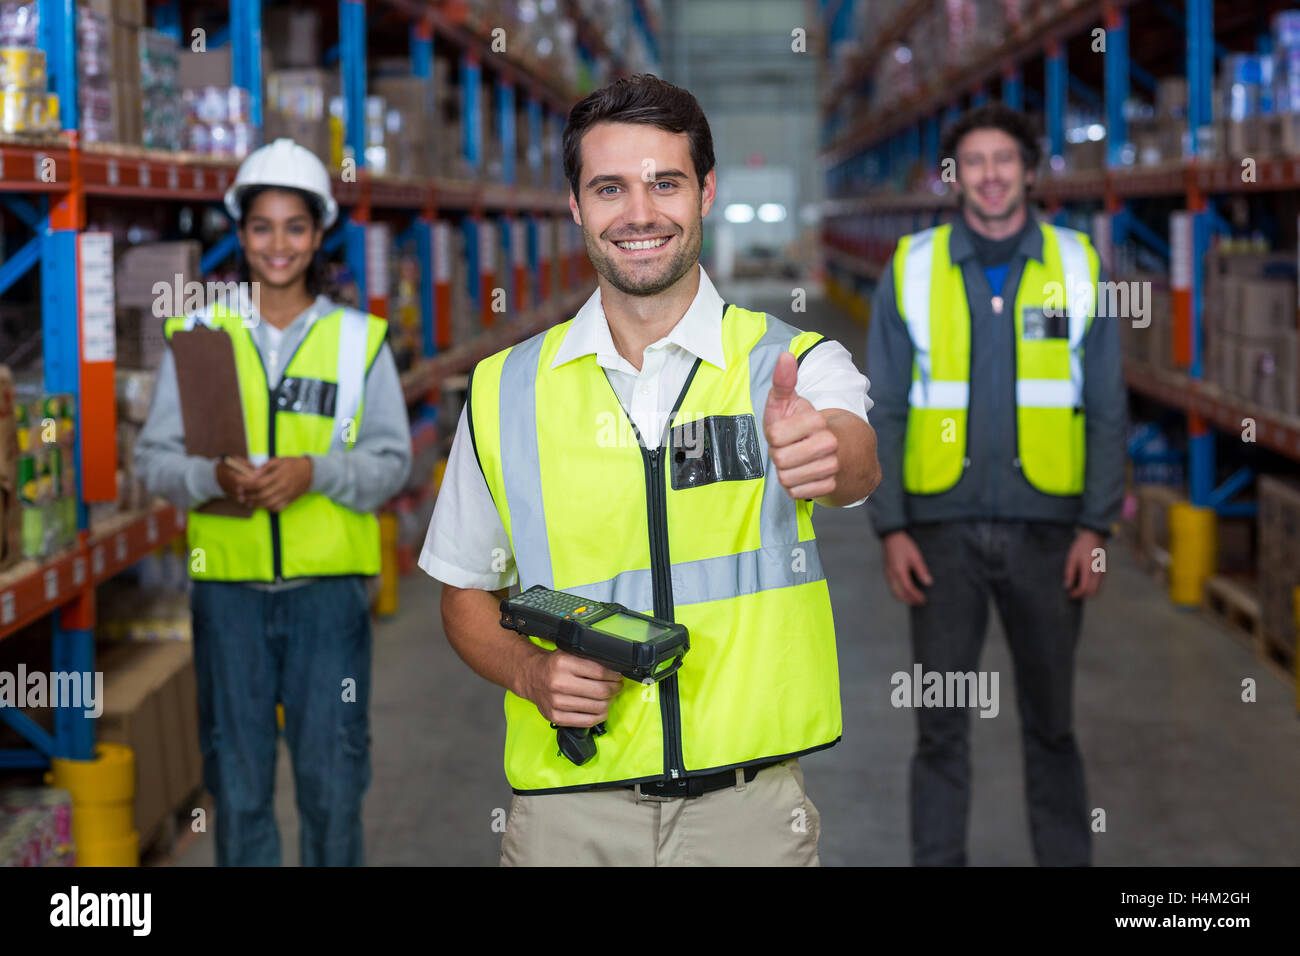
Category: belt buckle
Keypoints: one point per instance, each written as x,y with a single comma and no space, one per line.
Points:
643,795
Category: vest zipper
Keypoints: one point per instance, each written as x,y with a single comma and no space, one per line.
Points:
661,582
670,711
273,515
270,436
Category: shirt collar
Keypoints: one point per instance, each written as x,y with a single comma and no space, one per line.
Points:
699,331
961,245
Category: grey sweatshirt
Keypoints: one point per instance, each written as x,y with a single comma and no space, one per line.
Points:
361,478
992,487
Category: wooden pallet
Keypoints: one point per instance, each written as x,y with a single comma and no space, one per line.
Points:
1233,604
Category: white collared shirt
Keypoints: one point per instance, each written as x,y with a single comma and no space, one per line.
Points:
467,546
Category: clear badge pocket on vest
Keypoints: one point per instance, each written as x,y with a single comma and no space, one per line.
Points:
716,448
1039,322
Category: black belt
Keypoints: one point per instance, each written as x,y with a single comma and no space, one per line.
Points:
696,786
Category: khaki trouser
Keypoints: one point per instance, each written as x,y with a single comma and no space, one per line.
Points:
768,821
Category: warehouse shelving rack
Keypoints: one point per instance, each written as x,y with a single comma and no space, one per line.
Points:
860,230
61,587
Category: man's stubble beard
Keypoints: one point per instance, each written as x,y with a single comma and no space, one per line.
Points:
965,204
687,255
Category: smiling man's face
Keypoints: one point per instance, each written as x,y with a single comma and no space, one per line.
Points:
640,206
991,174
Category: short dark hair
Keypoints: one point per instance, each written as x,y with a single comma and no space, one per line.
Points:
642,98
994,116
318,278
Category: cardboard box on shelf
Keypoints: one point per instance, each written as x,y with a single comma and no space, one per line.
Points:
1268,371
140,338
150,705
297,36
142,266
208,68
124,84
298,106
1278,556
1264,307
1171,97
1288,134
133,717
134,389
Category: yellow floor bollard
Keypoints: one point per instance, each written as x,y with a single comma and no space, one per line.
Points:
103,795
1193,552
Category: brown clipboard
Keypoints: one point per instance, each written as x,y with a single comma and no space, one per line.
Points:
211,410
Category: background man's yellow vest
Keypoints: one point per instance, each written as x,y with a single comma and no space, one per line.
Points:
699,531
316,406
931,296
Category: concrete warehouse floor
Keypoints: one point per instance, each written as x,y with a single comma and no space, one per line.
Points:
1187,773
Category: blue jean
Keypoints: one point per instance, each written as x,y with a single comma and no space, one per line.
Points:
307,647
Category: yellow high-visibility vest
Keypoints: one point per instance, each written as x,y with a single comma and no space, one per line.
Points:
1054,306
699,531
316,406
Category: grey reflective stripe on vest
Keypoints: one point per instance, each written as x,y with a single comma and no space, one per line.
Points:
1078,277
778,520
782,561
918,268
517,411
715,579
351,375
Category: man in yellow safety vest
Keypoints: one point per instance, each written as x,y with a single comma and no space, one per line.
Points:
571,469
1001,412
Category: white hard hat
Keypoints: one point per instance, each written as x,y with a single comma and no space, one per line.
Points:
284,163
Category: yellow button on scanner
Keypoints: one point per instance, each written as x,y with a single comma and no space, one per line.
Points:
579,610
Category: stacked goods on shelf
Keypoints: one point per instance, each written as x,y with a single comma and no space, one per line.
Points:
449,149
1152,344
1279,560
1250,327
163,125
11,520
151,705
126,20
46,478
150,602
1258,96
25,105
1156,135
298,106
408,123
94,77
141,312
405,333
1286,83
218,122
36,827
296,32
134,392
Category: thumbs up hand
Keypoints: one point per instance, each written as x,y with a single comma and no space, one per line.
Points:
800,443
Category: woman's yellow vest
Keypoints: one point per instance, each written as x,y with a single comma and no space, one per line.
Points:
1058,297
316,406
699,531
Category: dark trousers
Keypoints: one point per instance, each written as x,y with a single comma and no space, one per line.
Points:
1021,565
309,648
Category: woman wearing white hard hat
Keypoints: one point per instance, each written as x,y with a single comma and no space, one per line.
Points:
282,539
